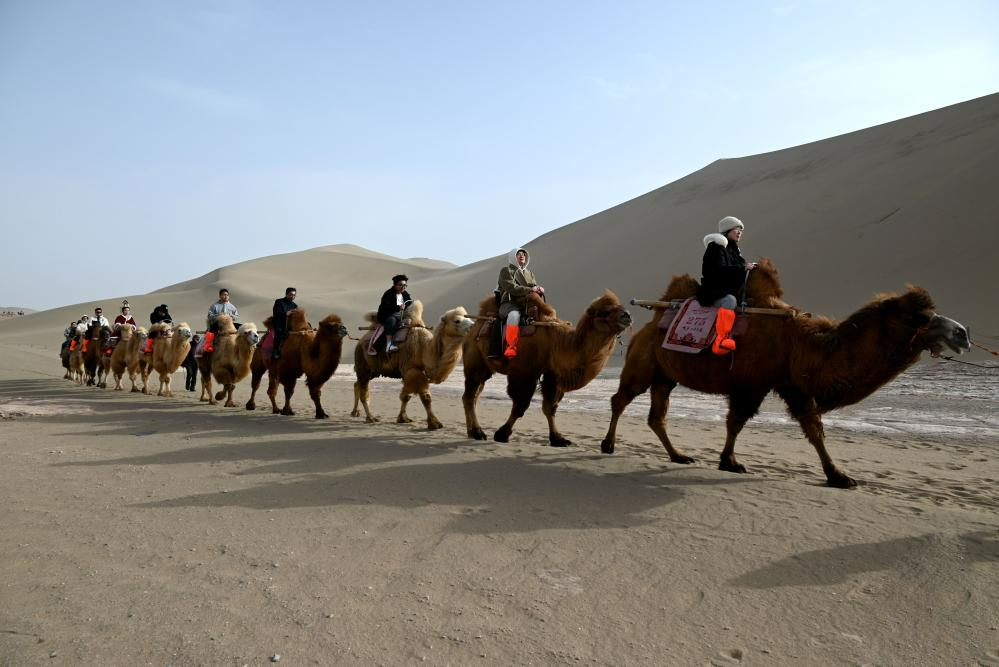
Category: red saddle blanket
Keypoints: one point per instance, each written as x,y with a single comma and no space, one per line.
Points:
691,327
266,345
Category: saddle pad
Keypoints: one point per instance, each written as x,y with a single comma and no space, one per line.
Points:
379,330
199,351
692,329
266,345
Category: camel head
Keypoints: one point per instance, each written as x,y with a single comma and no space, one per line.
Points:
141,334
184,331
224,322
914,314
250,333
105,335
607,312
454,322
332,326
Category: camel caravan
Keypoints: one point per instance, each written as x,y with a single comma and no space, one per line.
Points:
764,345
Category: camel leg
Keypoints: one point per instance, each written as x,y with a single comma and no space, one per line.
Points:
741,408
475,380
416,382
806,413
362,394
255,378
658,409
206,388
520,392
229,388
411,384
550,398
316,393
272,385
289,389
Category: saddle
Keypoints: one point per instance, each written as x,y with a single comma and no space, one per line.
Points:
690,327
401,334
527,326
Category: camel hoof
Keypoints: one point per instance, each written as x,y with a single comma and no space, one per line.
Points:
434,425
728,466
251,406
371,420
355,413
476,434
683,458
607,446
838,480
322,415
288,412
404,420
558,441
231,404
502,435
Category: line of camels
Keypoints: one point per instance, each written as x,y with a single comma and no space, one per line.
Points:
812,363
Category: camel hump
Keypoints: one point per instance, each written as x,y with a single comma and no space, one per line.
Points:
414,313
225,325
371,317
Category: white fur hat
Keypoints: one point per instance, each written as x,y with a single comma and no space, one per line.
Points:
728,223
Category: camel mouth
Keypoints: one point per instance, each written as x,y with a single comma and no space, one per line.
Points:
945,334
624,319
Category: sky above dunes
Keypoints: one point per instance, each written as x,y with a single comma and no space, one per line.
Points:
145,143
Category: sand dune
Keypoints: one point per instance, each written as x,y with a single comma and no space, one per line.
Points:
911,201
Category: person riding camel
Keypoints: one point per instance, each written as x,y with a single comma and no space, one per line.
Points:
394,301
221,307
123,319
159,314
279,319
515,283
723,273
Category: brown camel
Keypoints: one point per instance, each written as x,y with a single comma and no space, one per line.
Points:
426,357
138,362
75,358
813,364
118,361
230,362
170,347
98,339
316,353
563,357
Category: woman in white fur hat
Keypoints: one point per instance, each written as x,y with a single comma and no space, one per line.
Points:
723,271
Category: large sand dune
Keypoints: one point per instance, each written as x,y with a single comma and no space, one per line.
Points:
911,201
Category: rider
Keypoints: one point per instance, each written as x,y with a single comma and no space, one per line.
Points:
723,273
160,314
394,301
124,318
515,282
279,319
221,307
99,317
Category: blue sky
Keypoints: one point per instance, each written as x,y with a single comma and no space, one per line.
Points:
253,128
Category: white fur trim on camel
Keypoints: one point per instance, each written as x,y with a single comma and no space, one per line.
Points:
716,238
728,223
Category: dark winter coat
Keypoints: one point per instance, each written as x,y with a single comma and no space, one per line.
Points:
388,305
279,314
723,269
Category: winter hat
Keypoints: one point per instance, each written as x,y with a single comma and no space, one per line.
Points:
729,223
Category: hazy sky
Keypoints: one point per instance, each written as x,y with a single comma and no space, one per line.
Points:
143,143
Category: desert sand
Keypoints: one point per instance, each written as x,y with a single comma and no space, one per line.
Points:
145,530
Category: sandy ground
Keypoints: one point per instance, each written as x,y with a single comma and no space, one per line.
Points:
145,530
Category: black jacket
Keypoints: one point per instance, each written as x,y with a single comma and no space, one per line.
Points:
279,318
723,271
160,315
388,305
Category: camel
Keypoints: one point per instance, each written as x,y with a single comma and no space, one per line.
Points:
425,357
67,352
814,364
75,358
138,362
564,358
169,349
230,362
98,338
316,353
118,361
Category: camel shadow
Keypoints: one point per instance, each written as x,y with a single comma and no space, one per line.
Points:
826,567
492,495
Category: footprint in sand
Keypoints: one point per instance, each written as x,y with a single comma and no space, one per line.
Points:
729,657
990,659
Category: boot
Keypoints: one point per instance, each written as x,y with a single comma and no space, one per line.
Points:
512,336
724,322
209,338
